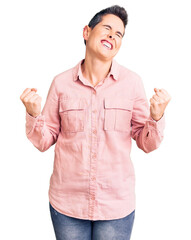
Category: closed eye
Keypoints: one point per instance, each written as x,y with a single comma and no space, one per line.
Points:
119,34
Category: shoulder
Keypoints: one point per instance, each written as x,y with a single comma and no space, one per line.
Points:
63,75
131,75
68,74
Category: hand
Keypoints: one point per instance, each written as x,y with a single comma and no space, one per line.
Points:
159,101
32,101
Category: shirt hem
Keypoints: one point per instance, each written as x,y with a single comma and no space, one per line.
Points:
89,218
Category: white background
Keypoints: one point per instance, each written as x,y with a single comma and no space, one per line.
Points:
40,39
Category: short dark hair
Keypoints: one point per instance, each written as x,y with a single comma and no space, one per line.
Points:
115,10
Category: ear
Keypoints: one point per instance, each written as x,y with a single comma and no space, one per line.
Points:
86,32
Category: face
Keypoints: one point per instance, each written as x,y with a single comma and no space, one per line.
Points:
104,40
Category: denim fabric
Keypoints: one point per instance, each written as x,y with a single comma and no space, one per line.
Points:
69,228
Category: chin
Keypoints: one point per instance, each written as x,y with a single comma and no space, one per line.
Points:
106,58
107,54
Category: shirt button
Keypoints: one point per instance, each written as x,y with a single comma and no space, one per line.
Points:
94,111
93,178
94,92
93,197
94,155
94,131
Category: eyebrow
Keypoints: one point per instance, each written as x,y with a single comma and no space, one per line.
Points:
111,28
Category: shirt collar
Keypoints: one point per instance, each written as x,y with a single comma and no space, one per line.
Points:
114,71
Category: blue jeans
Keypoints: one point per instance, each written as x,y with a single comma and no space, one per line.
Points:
69,228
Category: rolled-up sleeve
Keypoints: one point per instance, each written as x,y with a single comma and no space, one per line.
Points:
147,132
44,129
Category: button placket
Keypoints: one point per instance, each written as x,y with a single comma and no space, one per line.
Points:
93,161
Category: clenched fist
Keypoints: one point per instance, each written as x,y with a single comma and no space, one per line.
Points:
159,102
32,101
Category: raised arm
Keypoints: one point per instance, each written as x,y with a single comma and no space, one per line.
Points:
42,128
148,123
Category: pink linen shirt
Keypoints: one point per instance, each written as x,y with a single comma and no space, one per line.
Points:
93,175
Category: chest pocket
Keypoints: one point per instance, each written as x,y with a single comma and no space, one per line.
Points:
117,114
72,113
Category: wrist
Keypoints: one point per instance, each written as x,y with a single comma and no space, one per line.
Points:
156,118
34,116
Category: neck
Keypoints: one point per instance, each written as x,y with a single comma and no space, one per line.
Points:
95,69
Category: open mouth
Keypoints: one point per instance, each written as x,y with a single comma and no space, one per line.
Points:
107,44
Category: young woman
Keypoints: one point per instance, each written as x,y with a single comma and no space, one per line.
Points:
91,112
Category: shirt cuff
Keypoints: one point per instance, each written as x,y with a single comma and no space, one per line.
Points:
160,124
32,121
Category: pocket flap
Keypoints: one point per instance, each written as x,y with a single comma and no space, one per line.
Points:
72,104
121,103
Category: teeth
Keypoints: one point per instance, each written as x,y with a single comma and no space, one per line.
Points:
107,44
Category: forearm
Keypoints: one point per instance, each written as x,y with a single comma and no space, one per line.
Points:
150,136
38,133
